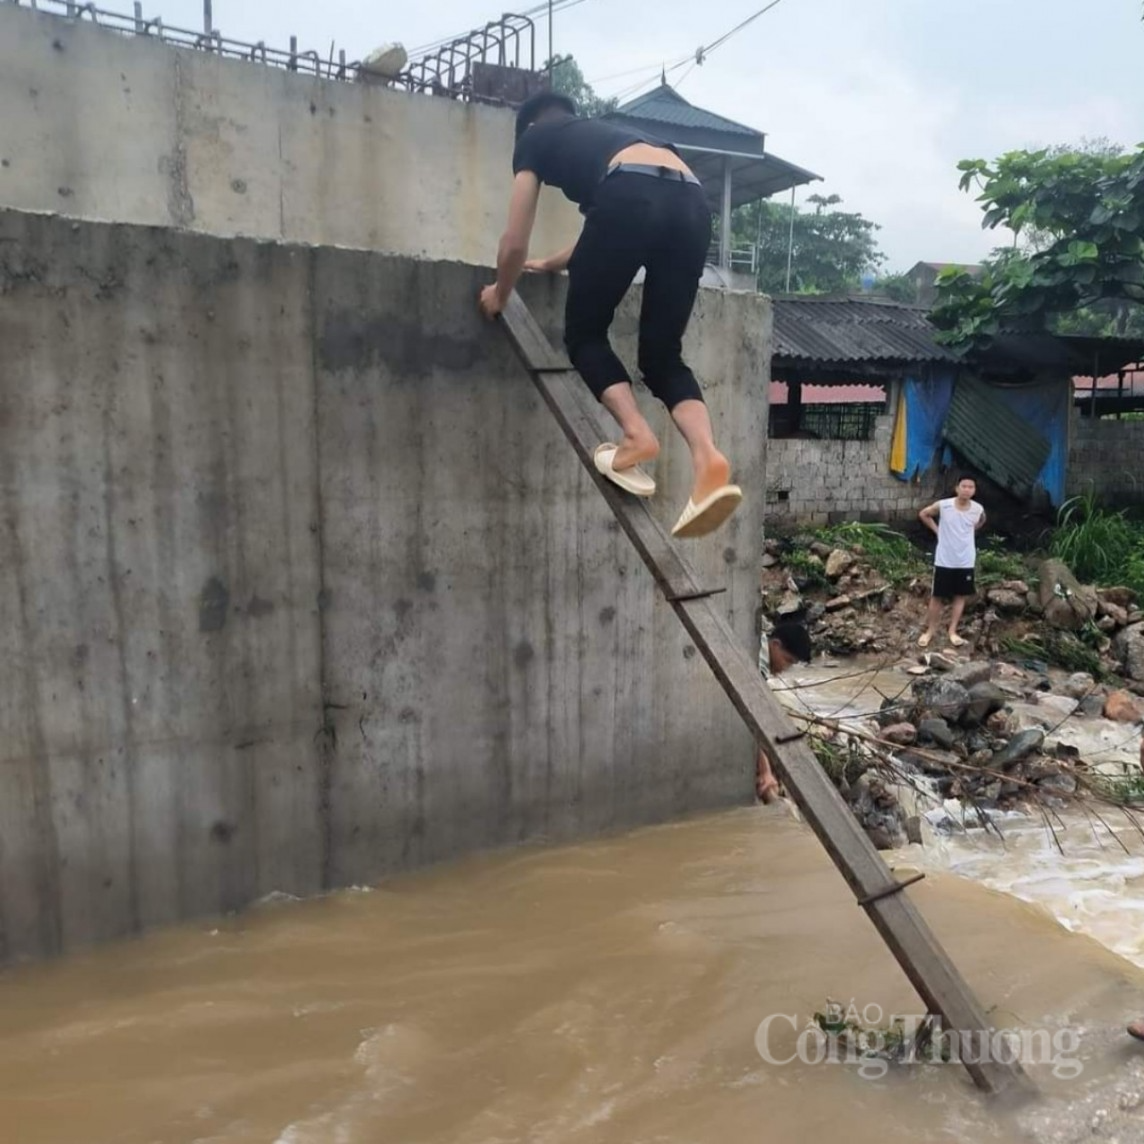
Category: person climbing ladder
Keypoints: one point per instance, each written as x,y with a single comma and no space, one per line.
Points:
643,208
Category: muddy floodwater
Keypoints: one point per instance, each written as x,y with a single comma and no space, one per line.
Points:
611,991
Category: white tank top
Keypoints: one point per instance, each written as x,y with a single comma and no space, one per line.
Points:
956,531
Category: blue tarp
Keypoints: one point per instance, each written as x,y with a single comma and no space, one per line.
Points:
1044,406
927,403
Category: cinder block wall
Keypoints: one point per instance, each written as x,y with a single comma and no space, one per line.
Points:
1106,458
825,482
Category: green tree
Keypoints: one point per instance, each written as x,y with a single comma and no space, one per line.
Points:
896,287
568,79
1087,265
832,249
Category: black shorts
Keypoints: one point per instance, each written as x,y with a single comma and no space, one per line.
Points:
951,582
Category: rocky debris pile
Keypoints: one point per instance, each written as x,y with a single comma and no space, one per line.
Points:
833,590
984,736
852,608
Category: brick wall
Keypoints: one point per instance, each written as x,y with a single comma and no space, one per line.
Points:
824,482
1106,458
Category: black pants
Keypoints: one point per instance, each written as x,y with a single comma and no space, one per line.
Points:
664,226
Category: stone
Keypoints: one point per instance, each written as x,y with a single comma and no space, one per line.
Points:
773,547
822,551
998,723
881,837
941,662
1107,625
1121,597
1058,706
1014,586
768,561
935,731
837,604
789,605
1068,604
815,613
889,600
932,762
1021,746
1060,784
1121,707
984,700
1128,647
838,562
982,758
943,697
1005,601
1078,685
901,734
1092,705
992,791
889,713
970,674
914,829
1114,612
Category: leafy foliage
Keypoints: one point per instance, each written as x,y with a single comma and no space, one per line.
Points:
832,248
1087,209
568,79
889,553
995,564
1100,546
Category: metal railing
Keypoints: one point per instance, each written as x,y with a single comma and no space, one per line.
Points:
744,259
508,42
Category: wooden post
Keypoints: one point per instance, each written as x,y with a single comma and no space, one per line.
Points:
902,927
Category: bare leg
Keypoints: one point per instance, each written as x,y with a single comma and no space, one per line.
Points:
956,614
712,469
639,442
933,618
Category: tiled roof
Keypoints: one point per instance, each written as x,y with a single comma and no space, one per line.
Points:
666,105
836,331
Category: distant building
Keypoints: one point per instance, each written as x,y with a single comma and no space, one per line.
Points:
923,277
729,158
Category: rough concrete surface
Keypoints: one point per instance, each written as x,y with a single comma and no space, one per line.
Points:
301,585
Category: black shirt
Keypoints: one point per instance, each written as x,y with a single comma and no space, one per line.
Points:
573,154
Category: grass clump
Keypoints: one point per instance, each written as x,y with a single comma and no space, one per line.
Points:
889,553
1063,649
995,565
806,566
1124,790
1100,546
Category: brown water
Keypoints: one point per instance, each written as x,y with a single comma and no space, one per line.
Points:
596,993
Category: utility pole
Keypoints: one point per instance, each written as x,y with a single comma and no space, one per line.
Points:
208,18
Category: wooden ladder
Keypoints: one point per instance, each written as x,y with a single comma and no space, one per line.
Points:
902,927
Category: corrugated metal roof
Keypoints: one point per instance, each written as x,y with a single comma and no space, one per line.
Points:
851,330
666,105
994,438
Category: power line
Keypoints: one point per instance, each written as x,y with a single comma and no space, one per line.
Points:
701,54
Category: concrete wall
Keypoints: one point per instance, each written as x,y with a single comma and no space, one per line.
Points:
301,585
1106,458
825,482
98,125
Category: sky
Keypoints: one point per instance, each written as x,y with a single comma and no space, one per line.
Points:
880,97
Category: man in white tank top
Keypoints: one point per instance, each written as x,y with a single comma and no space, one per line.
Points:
954,521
